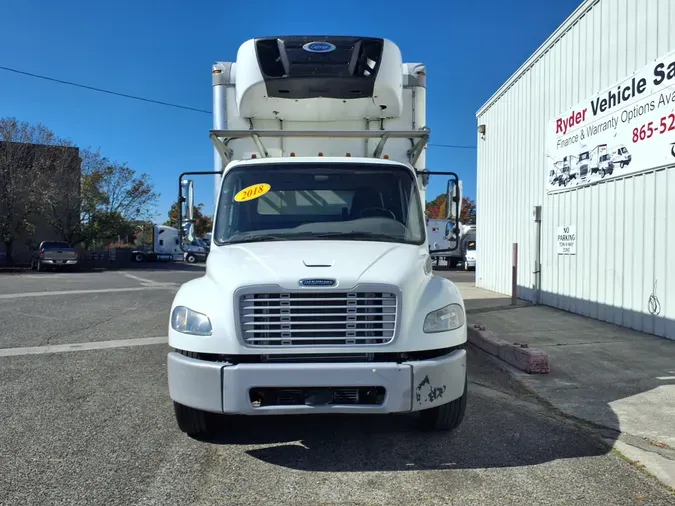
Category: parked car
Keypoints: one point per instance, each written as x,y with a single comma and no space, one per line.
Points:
54,255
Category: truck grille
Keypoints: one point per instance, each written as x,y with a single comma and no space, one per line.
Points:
318,318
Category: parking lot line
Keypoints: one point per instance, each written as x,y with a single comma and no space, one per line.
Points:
144,280
8,296
100,345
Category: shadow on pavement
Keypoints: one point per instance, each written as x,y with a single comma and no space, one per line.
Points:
499,430
168,266
97,268
609,375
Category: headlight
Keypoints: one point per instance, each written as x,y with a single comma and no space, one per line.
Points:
186,321
447,318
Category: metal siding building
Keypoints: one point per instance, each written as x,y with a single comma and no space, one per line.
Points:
625,226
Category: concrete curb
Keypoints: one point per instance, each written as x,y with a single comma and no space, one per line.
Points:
529,360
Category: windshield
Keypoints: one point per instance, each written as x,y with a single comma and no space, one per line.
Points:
308,201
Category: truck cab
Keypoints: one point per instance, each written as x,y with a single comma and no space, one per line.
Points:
318,295
567,173
582,169
620,156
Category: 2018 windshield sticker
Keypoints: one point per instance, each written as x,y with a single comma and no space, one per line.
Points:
252,192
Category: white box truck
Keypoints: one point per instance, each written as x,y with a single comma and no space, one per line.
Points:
319,295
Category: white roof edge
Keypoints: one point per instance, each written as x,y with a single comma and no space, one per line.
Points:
548,43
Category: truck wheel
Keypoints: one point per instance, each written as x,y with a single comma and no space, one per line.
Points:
191,258
138,257
194,422
447,416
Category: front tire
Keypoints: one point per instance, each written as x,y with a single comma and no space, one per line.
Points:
194,422
191,258
446,416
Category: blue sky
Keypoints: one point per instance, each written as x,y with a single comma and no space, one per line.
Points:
164,51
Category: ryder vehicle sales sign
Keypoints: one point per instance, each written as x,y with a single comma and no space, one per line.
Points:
625,129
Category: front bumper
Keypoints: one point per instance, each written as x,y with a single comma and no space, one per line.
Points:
223,388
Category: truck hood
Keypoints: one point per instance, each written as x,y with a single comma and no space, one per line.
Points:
286,263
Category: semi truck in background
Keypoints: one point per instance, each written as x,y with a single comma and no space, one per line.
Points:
319,295
164,246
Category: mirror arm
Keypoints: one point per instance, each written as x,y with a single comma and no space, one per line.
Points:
182,200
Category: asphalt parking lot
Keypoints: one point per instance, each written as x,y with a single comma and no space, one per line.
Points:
85,418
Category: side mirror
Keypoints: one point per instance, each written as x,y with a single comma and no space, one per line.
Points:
454,200
187,210
188,232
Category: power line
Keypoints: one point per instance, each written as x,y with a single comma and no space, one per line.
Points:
453,146
70,83
159,102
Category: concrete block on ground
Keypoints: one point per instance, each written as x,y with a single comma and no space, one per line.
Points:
485,340
530,360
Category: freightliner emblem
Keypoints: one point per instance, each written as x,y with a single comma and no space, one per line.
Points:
317,282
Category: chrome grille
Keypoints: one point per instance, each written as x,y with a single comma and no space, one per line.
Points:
321,318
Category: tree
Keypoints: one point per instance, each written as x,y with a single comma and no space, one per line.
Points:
436,209
467,214
203,224
113,198
28,166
